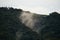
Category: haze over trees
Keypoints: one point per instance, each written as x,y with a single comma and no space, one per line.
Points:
17,24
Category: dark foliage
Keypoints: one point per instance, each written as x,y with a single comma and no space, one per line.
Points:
11,28
51,31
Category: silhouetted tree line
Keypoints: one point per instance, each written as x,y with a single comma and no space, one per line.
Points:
11,27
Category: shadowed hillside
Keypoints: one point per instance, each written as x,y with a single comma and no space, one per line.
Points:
11,27
51,31
16,24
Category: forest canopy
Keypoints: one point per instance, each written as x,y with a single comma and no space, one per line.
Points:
39,27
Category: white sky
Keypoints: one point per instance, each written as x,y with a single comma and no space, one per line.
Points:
36,6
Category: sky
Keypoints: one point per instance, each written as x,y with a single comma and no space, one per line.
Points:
35,6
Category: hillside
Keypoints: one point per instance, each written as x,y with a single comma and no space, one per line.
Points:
11,27
17,24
